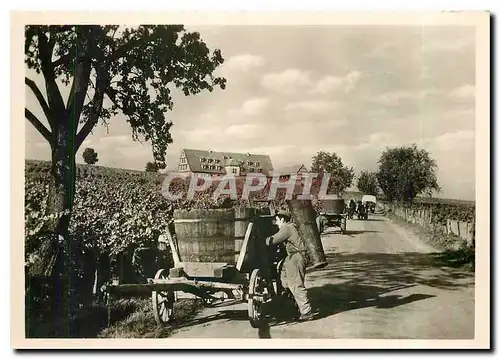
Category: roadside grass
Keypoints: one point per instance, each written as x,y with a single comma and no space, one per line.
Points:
133,318
454,251
129,318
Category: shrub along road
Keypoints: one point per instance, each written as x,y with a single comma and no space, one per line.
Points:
382,281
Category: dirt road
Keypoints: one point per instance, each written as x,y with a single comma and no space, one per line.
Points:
381,282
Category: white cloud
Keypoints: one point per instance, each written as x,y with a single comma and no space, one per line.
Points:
453,140
205,134
328,84
396,97
464,92
245,62
447,45
239,131
312,107
288,81
376,141
110,141
331,83
351,80
254,106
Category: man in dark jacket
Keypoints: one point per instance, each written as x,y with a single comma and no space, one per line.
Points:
295,263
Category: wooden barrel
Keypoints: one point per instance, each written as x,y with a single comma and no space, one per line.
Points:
304,216
205,235
242,217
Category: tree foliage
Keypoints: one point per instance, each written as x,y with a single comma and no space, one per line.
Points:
129,70
367,182
341,177
405,172
90,156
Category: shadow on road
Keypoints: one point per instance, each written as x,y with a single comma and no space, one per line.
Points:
240,315
331,299
359,280
350,233
431,269
369,219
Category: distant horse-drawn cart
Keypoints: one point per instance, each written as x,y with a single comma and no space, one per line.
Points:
332,215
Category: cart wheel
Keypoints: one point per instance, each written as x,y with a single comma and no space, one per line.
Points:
343,225
163,302
256,297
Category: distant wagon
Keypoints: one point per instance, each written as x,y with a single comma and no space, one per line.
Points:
332,215
369,202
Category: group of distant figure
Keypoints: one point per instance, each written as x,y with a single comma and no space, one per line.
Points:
359,208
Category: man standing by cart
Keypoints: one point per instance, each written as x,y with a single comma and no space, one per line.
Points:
295,262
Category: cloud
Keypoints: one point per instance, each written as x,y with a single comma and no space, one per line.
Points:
351,79
242,131
397,97
254,106
288,81
464,92
312,107
451,140
328,84
204,134
244,63
375,141
331,83
448,45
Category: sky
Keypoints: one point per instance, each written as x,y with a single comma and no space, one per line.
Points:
295,90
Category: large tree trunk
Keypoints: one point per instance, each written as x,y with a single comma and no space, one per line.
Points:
60,203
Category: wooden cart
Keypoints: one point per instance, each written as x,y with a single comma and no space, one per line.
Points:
333,215
255,281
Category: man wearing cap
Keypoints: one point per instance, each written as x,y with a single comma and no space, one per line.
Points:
295,262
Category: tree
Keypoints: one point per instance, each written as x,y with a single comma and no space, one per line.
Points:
341,176
151,167
367,182
90,156
109,70
405,172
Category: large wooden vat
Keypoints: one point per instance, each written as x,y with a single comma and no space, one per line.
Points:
206,235
304,216
242,217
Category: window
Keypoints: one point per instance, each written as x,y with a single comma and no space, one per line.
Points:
249,163
251,169
257,164
202,159
210,160
235,170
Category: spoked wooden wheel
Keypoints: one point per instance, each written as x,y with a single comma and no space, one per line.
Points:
258,294
163,302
